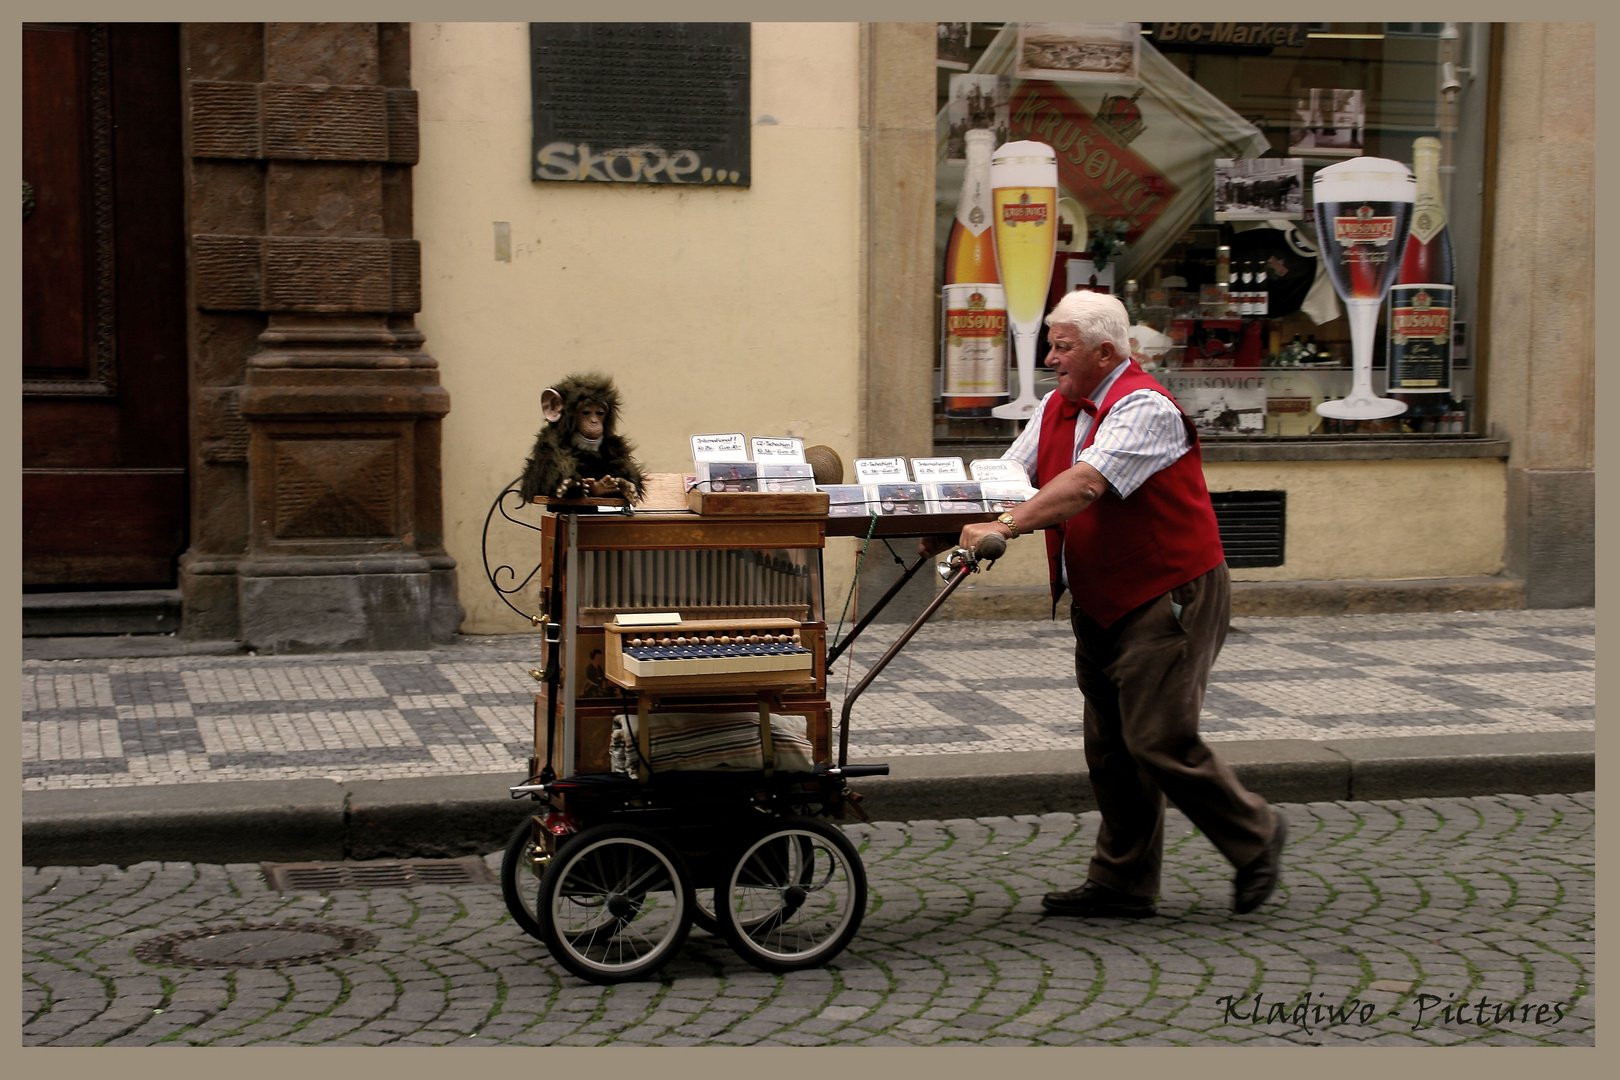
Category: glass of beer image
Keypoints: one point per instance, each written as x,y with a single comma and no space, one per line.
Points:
1363,209
1023,189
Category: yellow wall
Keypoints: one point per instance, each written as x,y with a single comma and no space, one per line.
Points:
714,309
1374,520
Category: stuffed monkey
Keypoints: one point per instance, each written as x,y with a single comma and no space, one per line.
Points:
577,453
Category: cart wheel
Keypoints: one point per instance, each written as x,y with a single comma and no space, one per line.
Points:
614,904
521,868
795,896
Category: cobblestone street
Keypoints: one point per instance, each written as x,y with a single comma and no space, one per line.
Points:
1425,921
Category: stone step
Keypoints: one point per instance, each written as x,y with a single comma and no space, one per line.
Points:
78,614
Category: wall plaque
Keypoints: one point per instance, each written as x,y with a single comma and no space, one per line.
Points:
648,103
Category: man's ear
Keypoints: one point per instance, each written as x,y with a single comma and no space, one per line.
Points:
551,405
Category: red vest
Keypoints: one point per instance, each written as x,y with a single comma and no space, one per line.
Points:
1121,553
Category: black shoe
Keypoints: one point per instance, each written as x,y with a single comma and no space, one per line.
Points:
1094,901
1254,884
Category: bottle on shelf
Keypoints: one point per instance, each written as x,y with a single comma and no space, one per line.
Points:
1421,300
974,364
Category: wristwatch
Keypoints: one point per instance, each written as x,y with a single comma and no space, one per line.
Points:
1007,520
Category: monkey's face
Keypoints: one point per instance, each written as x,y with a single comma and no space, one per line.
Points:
591,420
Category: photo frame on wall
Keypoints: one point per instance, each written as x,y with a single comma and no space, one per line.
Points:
976,101
1079,52
952,53
1259,189
1328,123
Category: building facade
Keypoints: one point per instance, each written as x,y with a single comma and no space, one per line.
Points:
318,292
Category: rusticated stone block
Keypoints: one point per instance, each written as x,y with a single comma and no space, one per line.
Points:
326,122
403,139
406,266
328,274
227,272
225,120
337,487
317,274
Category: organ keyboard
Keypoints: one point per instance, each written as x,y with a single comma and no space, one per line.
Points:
756,654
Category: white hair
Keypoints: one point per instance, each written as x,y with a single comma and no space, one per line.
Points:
1096,317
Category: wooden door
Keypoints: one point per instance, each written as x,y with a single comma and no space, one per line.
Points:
105,438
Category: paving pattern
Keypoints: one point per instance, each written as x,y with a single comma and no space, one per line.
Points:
957,687
1420,922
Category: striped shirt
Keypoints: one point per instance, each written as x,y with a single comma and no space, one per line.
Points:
1142,434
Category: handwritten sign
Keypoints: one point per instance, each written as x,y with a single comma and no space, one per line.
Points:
881,470
925,469
778,451
719,447
999,469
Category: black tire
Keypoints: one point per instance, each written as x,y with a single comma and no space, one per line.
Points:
794,896
614,904
520,878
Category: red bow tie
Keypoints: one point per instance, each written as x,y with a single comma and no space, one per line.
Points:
1075,408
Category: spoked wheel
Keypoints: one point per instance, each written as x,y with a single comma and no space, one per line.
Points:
521,868
795,896
614,904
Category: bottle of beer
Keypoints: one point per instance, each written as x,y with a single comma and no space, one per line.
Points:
1420,302
974,364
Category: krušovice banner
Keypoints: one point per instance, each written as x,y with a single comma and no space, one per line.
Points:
1141,150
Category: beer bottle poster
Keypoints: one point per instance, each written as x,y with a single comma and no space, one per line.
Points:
646,103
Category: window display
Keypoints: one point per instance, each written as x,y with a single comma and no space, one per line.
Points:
1189,157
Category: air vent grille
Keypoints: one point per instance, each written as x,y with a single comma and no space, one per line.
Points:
1253,525
319,877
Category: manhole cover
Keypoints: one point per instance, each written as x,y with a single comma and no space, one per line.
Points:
255,945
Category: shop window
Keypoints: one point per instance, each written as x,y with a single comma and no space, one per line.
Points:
1187,160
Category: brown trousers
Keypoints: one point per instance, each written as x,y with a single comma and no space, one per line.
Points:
1143,680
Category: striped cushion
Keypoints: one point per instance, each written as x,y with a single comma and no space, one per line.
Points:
684,742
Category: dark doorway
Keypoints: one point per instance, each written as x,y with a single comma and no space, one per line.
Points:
105,441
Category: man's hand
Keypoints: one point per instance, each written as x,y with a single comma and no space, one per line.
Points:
972,534
932,545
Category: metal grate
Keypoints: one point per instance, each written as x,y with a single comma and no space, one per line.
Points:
318,877
1252,524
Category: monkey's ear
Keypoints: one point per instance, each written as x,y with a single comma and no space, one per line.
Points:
551,405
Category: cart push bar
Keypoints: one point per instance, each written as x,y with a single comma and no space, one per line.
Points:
955,569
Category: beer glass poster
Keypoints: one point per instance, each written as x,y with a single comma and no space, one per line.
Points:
1259,189
1132,149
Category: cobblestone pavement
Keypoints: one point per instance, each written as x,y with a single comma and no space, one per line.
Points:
1426,921
957,687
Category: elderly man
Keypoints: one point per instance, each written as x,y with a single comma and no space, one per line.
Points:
1132,535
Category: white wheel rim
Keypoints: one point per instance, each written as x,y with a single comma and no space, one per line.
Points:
614,910
788,906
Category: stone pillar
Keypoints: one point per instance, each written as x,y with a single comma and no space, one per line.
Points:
316,519
900,309
898,138
1541,374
